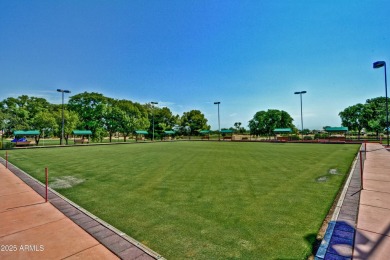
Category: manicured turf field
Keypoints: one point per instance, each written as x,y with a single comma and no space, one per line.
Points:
203,200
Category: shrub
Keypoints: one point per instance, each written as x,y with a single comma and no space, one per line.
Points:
295,137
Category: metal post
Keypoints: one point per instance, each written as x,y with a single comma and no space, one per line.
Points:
153,123
47,180
387,109
219,125
219,122
63,120
153,103
376,65
300,93
365,149
361,169
301,117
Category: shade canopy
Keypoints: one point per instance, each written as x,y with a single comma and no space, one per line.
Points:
226,131
336,129
82,132
282,130
141,132
169,132
29,132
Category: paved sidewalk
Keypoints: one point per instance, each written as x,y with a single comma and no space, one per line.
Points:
338,239
360,226
372,238
33,229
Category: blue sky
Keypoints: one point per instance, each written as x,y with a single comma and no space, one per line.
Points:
185,54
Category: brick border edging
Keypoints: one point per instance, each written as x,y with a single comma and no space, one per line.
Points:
116,241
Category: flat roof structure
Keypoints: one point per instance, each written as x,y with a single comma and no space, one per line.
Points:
82,132
336,129
141,132
282,130
29,132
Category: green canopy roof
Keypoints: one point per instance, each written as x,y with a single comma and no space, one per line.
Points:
204,131
82,132
169,132
282,130
30,132
141,132
226,131
336,129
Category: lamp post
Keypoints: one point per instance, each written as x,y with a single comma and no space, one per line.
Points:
219,122
300,93
376,65
153,103
62,132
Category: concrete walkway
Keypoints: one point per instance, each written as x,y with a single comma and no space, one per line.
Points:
30,228
33,229
360,225
372,237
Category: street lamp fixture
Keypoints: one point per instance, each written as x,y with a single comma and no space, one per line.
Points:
377,65
62,131
219,122
300,93
153,103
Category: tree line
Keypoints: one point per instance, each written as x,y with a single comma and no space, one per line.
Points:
102,115
106,116
370,116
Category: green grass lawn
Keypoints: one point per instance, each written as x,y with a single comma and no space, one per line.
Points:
203,200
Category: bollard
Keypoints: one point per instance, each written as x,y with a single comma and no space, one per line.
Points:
6,159
47,180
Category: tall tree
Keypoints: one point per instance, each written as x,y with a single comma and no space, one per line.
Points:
134,117
257,125
20,112
354,118
264,122
194,121
44,121
375,112
90,108
112,117
163,119
71,122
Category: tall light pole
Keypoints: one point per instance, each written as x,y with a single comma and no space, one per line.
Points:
376,65
219,122
62,132
300,93
153,103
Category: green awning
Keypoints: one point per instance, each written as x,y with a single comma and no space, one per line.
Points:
169,132
141,132
226,131
336,129
82,132
282,130
204,131
30,132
